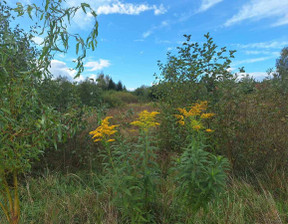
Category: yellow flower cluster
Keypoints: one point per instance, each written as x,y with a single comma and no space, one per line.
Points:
207,115
104,131
194,116
146,120
195,109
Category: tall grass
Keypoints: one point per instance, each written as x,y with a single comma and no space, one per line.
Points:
71,198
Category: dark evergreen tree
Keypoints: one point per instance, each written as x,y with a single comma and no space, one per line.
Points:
112,85
119,86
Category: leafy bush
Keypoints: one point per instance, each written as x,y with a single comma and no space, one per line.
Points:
118,98
200,177
193,72
251,127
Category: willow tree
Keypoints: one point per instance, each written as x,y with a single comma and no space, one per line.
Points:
27,125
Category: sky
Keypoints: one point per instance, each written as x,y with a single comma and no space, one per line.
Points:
134,35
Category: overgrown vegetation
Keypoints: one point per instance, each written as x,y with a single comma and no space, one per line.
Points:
214,151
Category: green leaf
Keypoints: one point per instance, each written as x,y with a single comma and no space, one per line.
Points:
77,47
83,5
47,5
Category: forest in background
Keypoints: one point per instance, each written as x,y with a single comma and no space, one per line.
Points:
202,145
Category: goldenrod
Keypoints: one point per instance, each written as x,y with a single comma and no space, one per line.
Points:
207,115
104,131
146,120
193,117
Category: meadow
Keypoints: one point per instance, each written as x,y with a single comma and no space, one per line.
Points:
202,145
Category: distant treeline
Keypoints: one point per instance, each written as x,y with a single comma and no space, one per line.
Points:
60,93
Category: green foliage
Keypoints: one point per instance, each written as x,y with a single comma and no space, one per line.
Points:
144,93
90,93
170,133
27,125
118,98
54,20
130,178
58,198
200,177
193,72
59,94
244,124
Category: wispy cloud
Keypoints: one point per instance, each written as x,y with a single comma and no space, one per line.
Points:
129,8
106,7
147,33
97,65
251,60
264,45
260,9
207,4
256,52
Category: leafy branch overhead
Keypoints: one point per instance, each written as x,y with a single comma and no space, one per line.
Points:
54,21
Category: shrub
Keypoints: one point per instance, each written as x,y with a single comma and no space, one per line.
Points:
118,98
251,128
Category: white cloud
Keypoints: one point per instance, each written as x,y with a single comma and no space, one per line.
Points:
282,21
93,76
38,40
207,4
147,34
256,75
97,65
159,10
106,7
251,60
129,8
255,52
265,45
260,9
131,89
164,23
59,68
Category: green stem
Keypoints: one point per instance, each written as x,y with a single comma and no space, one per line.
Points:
8,195
5,212
16,213
107,146
145,164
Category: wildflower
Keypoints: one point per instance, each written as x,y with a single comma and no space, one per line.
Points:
202,106
104,131
181,119
195,110
146,120
183,111
197,127
193,117
207,115
209,130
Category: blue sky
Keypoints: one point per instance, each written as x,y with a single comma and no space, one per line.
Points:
133,35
